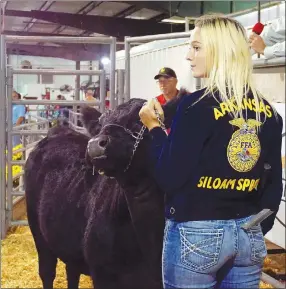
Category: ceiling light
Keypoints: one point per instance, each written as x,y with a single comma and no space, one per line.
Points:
105,60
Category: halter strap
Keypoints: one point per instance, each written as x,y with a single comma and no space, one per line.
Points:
126,129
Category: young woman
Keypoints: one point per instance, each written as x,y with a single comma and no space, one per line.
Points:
212,165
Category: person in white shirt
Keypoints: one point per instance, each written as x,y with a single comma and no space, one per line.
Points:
271,42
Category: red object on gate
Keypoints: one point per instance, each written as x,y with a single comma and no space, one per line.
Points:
162,100
258,28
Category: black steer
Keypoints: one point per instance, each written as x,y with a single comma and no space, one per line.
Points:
108,228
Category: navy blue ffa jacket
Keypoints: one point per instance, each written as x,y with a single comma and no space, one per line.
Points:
214,167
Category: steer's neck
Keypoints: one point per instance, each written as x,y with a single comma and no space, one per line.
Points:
133,179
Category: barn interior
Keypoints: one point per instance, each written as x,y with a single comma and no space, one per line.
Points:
59,53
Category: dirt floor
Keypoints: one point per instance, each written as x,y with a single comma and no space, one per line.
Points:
20,263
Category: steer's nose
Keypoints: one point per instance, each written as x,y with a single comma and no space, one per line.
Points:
96,146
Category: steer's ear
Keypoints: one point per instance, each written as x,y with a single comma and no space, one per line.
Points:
90,118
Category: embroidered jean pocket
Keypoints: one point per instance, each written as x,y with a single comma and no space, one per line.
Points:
257,244
200,248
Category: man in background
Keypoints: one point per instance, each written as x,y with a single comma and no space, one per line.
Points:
271,43
167,80
18,116
89,95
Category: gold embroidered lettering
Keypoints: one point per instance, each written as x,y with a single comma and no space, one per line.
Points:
216,183
217,113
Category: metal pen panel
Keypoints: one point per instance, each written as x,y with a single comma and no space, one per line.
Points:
28,132
60,39
102,91
55,102
56,72
158,37
112,73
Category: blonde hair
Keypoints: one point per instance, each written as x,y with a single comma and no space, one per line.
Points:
228,60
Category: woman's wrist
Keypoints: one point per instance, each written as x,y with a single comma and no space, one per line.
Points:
152,125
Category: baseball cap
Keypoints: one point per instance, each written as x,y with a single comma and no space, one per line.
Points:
166,72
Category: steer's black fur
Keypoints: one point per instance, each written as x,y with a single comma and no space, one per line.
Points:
108,228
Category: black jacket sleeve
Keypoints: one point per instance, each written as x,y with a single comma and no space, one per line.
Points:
179,156
272,192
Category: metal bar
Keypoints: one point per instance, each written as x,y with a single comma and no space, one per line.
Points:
271,281
75,113
102,92
120,86
258,20
2,132
17,163
55,102
258,11
9,144
39,117
112,73
56,72
187,24
77,84
19,223
275,62
18,193
41,109
27,132
158,37
59,39
29,124
127,69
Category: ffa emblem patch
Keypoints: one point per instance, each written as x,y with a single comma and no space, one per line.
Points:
244,148
162,70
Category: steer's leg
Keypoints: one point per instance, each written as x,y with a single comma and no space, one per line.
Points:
47,267
46,259
73,276
102,279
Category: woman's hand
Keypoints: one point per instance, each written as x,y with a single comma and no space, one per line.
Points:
148,116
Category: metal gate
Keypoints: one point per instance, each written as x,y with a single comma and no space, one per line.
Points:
37,128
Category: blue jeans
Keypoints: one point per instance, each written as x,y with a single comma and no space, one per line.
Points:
212,254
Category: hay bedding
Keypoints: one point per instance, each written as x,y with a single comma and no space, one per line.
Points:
20,263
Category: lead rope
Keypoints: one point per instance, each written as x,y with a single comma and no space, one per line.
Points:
140,137
162,125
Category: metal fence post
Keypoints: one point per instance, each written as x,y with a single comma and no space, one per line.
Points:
77,85
127,69
2,135
120,86
9,145
187,24
102,91
112,73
